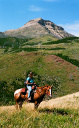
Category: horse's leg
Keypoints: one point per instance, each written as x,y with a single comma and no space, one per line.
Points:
36,105
20,104
16,105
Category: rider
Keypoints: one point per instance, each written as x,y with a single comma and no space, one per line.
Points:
29,82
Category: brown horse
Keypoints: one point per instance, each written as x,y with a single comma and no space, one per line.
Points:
21,95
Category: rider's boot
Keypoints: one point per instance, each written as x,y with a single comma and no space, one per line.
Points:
29,99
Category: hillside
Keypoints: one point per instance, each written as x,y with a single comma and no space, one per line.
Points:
48,69
37,28
54,62
7,42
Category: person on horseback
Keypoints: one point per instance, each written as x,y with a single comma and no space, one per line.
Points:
29,83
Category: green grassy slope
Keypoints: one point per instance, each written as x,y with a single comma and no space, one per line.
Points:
17,42
45,61
62,118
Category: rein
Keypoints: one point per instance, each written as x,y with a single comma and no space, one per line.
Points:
47,93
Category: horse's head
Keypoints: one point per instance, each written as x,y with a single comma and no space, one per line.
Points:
49,90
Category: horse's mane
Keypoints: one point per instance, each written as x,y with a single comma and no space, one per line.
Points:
42,87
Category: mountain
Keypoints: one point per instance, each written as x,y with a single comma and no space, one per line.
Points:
2,35
36,28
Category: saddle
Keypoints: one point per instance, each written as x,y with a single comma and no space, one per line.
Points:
24,91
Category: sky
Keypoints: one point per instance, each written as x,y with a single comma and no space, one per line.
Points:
15,13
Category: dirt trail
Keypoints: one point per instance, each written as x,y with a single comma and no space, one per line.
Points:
68,101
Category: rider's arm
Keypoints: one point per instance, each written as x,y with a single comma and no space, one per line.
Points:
27,82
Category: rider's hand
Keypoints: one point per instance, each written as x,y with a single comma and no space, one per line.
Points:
33,87
34,84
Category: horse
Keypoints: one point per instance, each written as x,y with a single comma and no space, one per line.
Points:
21,95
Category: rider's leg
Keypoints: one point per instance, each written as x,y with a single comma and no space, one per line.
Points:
29,90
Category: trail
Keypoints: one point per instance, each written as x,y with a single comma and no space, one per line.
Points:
68,101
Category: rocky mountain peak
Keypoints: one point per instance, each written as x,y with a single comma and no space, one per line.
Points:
32,22
43,22
38,27
35,20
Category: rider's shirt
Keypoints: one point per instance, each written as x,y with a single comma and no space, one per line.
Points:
30,80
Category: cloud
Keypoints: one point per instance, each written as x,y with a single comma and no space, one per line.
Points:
72,28
35,8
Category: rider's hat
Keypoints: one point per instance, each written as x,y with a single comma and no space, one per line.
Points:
31,73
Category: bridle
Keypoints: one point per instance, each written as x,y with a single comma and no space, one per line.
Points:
48,92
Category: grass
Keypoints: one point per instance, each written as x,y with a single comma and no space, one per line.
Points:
65,40
45,116
42,118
